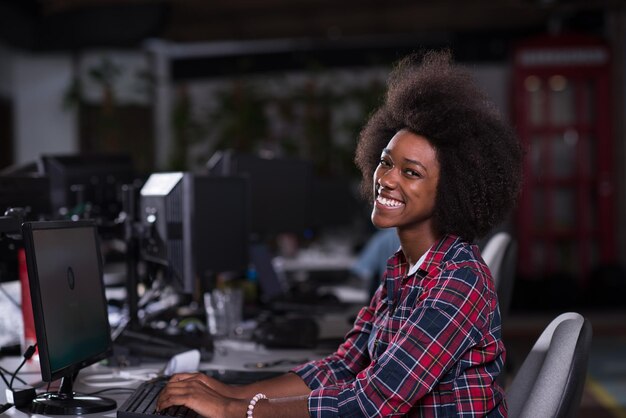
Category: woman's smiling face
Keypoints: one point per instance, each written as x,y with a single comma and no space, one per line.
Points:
405,183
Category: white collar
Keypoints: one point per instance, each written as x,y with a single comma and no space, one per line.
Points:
417,265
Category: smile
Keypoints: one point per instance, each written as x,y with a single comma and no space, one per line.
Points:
390,203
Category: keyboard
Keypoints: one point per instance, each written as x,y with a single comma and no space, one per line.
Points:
142,403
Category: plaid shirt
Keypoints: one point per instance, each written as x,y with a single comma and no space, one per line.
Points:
428,345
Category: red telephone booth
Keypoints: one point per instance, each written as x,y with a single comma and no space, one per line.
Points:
561,102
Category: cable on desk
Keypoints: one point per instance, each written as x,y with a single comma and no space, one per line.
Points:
4,371
27,355
23,395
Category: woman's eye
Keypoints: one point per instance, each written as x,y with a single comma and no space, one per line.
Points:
384,163
412,173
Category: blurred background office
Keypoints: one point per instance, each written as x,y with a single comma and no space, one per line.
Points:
173,84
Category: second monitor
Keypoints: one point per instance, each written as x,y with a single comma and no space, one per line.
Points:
280,189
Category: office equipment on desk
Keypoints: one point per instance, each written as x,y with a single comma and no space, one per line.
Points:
295,318
183,363
87,185
277,295
142,403
69,308
224,311
146,345
28,191
195,227
236,362
23,197
287,332
192,227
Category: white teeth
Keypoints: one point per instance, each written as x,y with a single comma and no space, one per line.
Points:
389,202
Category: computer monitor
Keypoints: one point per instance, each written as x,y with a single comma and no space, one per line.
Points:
87,185
30,192
69,308
280,189
196,226
344,207
27,195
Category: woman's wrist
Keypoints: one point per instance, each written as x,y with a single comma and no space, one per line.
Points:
236,391
246,392
252,404
237,408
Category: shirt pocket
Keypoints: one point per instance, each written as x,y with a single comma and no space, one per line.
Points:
410,298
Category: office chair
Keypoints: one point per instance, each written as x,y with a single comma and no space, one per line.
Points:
493,253
550,382
500,254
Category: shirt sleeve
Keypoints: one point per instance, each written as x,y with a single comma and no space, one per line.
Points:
440,328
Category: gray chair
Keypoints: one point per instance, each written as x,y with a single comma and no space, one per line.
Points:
500,254
493,253
550,382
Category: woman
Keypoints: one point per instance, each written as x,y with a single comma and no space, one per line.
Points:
442,168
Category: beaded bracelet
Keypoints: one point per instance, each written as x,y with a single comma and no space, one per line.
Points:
253,402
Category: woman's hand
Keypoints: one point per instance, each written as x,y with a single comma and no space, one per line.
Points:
223,389
206,396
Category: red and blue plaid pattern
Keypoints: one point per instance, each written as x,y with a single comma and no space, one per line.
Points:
428,345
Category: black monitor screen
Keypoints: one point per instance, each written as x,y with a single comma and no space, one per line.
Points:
280,190
69,305
30,192
87,185
334,202
69,309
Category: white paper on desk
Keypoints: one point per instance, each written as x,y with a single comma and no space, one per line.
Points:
186,362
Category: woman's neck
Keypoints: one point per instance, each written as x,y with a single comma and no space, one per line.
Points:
415,243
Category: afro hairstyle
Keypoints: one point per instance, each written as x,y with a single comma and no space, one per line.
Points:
479,155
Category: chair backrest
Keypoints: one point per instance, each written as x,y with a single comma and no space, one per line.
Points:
493,253
550,382
500,254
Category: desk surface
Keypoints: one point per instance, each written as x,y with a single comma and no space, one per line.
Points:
229,354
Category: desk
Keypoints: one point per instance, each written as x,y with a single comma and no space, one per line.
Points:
309,263
229,354
314,261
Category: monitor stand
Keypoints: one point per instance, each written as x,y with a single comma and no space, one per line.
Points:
66,402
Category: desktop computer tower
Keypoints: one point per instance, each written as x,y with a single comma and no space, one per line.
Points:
195,226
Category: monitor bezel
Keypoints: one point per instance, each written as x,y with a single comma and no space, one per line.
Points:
47,374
